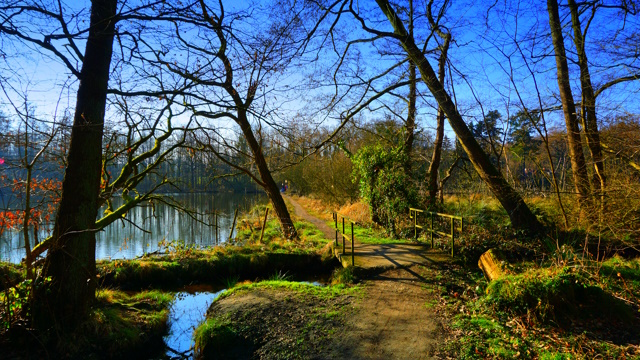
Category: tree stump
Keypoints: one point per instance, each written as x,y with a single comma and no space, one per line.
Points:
493,264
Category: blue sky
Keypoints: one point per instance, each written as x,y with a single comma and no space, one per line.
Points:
475,54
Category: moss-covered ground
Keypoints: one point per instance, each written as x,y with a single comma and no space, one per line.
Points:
120,325
568,295
123,323
274,319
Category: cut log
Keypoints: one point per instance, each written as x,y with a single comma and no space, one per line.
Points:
493,264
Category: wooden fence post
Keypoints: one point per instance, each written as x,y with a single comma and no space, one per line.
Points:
335,218
343,249
453,234
431,215
233,226
264,224
353,261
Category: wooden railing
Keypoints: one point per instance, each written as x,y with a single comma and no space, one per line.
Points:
413,214
344,236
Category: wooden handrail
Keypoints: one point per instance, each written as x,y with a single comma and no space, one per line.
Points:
413,214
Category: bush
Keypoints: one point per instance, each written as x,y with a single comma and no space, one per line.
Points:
384,184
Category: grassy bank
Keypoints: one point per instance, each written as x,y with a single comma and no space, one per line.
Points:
10,275
131,324
276,319
549,312
247,257
120,325
212,266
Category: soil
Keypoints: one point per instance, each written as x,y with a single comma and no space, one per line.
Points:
328,232
391,321
375,256
388,319
279,324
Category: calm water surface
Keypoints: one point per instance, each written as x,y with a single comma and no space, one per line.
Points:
147,226
187,312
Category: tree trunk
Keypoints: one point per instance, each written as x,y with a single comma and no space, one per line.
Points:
579,170
589,119
432,181
519,213
411,112
411,118
70,262
269,185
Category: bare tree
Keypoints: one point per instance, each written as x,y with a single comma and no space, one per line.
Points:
70,261
578,165
432,173
519,213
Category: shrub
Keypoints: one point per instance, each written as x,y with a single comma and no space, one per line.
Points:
384,183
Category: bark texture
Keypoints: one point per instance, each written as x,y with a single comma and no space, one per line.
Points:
589,118
432,180
411,111
70,263
519,213
411,117
578,164
268,184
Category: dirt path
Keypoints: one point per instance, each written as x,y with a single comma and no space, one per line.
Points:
328,232
372,256
388,318
392,319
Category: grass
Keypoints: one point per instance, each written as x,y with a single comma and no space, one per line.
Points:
10,274
249,259
216,336
211,266
342,275
554,295
285,320
322,292
250,229
543,313
120,325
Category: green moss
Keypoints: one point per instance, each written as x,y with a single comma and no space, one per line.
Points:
621,275
293,319
325,292
216,336
213,266
487,338
553,355
552,294
342,275
121,324
10,274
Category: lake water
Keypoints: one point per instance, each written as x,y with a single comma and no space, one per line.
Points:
154,224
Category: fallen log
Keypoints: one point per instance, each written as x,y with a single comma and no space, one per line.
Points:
493,264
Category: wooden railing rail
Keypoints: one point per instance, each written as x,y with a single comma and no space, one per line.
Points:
413,215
